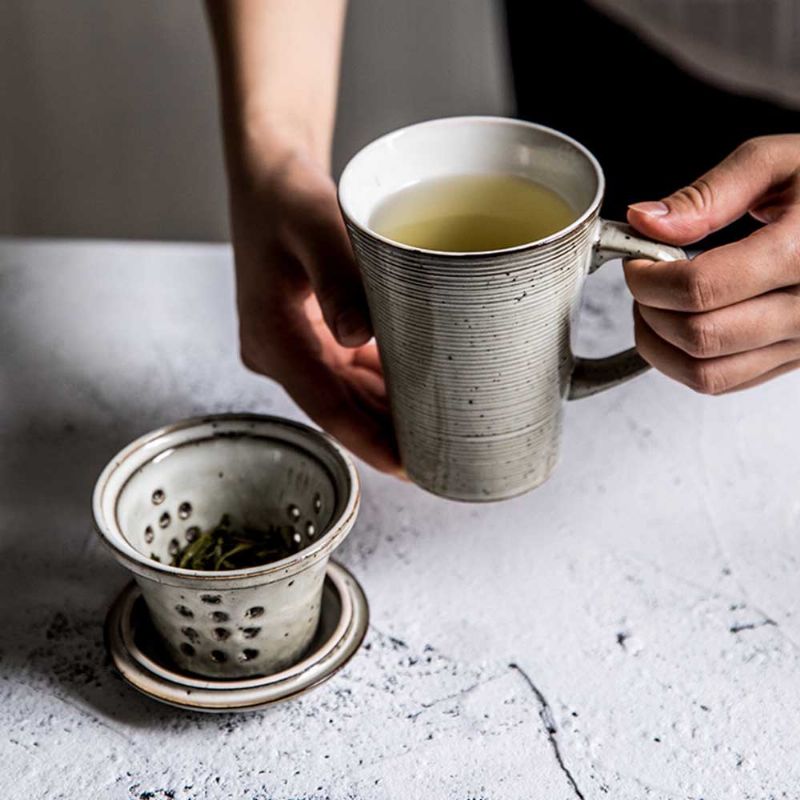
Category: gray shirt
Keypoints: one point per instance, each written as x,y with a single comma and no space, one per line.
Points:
747,46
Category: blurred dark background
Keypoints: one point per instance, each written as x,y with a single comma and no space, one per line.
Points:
109,122
109,125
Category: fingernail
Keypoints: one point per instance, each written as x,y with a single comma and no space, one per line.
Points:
653,208
351,328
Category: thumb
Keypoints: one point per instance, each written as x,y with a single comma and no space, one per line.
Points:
717,198
319,240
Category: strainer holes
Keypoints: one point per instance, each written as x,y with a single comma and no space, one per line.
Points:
174,547
218,657
249,654
250,633
317,503
255,611
158,497
310,529
184,611
185,510
285,635
211,599
187,649
164,520
291,583
294,512
220,616
148,534
221,634
192,533
191,634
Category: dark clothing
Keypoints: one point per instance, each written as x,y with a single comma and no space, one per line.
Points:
653,127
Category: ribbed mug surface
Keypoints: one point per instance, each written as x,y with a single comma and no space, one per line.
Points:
477,359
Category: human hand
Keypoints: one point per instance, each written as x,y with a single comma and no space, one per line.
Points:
303,319
730,318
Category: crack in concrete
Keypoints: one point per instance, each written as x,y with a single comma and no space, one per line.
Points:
722,550
396,643
455,695
714,594
749,626
546,715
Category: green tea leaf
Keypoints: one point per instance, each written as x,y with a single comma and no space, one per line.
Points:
228,546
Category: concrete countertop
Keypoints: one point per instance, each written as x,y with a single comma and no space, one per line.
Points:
629,630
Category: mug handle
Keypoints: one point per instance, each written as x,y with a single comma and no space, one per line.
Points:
616,240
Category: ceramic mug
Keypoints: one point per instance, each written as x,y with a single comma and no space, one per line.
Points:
475,347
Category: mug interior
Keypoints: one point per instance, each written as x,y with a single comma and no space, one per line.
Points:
469,145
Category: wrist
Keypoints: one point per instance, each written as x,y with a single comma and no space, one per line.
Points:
257,143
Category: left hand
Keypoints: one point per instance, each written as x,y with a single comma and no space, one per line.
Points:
730,318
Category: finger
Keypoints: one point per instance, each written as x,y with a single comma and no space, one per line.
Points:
748,325
710,375
319,239
776,204
789,366
368,357
347,406
721,195
767,259
365,433
373,387
347,401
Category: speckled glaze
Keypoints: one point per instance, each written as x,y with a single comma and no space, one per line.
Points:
158,492
475,347
135,653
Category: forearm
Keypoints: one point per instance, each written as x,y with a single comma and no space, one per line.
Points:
278,68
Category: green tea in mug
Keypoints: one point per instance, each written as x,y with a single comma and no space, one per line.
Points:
472,213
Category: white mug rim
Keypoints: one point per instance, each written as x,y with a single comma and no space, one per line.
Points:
479,119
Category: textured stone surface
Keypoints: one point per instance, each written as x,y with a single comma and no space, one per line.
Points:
628,630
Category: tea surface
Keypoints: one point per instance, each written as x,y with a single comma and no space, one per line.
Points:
472,213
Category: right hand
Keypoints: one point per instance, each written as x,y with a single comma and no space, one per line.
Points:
303,317
730,318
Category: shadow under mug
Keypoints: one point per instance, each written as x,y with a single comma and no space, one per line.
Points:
475,347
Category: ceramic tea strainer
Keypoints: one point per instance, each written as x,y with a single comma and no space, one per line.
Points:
163,489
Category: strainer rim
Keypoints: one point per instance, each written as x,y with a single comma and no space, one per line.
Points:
112,536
